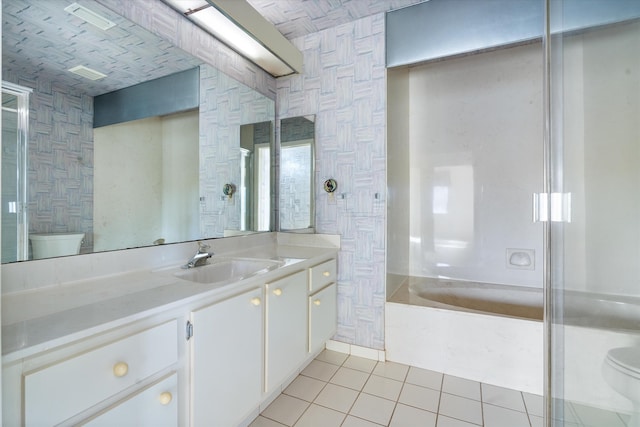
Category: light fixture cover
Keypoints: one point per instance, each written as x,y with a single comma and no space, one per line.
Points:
243,29
89,16
87,72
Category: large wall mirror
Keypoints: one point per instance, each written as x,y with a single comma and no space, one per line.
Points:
197,172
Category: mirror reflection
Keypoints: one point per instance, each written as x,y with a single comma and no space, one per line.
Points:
296,193
157,179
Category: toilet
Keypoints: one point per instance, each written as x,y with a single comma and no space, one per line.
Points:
621,370
49,245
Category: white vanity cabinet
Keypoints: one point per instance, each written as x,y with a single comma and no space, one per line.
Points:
62,390
226,356
323,318
240,347
285,328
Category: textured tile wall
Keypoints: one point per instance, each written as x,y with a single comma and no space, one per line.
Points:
163,21
60,158
344,85
225,105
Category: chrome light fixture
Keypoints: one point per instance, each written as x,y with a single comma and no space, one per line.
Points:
242,28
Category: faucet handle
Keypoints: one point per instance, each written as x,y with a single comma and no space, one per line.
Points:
203,247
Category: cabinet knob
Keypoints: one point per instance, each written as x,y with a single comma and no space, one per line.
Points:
120,369
326,274
256,301
316,302
277,292
165,398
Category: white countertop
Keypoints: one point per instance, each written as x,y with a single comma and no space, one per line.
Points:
37,319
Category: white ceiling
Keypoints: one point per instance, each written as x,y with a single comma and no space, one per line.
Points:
295,18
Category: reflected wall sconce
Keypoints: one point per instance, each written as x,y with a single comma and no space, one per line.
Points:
228,190
238,25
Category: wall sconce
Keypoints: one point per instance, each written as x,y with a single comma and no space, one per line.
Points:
243,29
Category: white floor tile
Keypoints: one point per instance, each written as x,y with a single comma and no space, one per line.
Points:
305,388
461,408
373,408
408,416
322,371
360,364
536,421
395,371
534,404
461,387
264,422
285,409
350,378
504,397
319,416
333,357
352,421
420,397
452,422
337,397
497,416
424,378
594,417
383,387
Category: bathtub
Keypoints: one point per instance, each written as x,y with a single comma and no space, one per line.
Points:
494,334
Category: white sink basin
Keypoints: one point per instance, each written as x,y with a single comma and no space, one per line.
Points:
227,270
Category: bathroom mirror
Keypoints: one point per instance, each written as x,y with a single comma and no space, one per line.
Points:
136,194
296,183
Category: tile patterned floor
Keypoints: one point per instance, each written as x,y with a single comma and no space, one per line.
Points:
338,390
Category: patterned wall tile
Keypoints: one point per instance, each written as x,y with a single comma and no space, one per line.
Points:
344,85
163,21
225,105
60,158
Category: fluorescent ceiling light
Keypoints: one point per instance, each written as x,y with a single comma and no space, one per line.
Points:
87,72
89,16
243,29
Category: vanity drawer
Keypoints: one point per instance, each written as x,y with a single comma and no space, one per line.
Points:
321,275
59,391
156,406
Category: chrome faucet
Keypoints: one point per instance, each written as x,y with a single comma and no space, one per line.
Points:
200,258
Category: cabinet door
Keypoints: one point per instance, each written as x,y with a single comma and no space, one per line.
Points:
226,370
155,406
322,317
286,328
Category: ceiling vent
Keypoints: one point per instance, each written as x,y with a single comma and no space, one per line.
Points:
89,16
87,72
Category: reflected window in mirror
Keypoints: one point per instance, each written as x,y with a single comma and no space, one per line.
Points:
255,189
296,186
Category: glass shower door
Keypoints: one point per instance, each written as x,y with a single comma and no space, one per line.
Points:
15,115
593,170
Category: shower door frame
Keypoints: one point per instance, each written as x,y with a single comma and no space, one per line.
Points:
22,95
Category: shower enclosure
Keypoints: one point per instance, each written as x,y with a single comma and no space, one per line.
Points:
15,122
593,238
462,141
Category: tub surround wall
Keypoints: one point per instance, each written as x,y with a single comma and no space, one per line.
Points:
474,154
344,85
